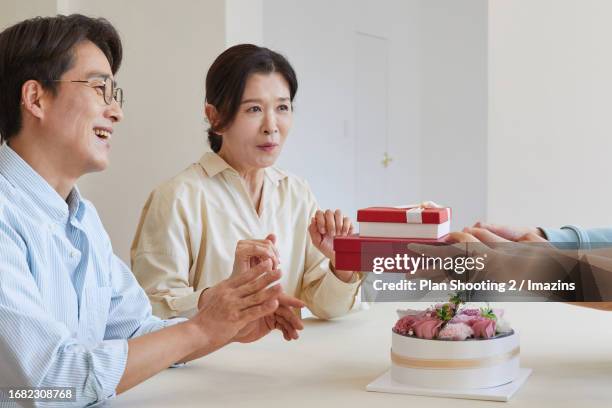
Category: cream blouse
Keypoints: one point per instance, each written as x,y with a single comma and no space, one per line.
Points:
189,227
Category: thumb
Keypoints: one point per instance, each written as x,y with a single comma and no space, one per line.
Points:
286,300
271,237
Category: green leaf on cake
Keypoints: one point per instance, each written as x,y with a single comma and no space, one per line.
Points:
488,313
445,313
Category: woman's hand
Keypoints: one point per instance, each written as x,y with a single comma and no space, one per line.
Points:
250,252
324,226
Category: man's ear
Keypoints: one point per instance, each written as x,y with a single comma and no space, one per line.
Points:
32,93
213,116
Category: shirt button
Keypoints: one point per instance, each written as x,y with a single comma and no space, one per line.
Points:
74,254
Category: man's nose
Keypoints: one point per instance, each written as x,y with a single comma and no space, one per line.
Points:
114,111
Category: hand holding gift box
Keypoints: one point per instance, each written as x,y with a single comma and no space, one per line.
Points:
323,228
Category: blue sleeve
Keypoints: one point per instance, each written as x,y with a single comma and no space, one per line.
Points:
572,237
130,311
39,351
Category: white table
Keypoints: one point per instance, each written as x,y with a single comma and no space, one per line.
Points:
569,349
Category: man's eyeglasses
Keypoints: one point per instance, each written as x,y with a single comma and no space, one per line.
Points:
105,86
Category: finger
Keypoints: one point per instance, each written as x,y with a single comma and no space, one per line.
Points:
338,221
250,275
280,326
290,301
286,335
313,229
258,311
429,204
460,237
485,235
330,223
291,331
290,317
532,237
260,297
271,237
455,248
262,249
346,226
351,230
504,231
258,285
320,220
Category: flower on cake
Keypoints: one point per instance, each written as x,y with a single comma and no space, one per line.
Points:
455,331
427,327
448,321
483,328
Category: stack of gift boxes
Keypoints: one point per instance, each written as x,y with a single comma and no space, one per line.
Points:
386,231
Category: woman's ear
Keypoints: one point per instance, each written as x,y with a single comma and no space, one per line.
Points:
212,115
32,101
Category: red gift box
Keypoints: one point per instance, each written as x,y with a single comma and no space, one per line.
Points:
355,253
409,215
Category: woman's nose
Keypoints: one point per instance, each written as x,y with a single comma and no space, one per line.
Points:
269,125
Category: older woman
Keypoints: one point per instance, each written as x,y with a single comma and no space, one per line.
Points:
190,225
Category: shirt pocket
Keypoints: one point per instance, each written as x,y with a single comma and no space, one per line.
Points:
97,301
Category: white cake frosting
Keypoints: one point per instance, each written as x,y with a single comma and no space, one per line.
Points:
473,363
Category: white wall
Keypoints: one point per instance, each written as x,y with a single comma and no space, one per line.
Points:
550,81
243,22
454,106
13,11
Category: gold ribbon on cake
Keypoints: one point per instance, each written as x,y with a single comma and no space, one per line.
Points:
442,364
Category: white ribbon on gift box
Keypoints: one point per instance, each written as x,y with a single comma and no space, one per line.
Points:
414,212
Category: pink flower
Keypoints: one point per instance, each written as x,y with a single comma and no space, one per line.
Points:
455,331
427,328
463,318
484,328
411,312
404,325
470,312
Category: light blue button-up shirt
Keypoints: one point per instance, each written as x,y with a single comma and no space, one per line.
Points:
68,304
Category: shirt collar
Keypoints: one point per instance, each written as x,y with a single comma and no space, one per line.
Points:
213,164
23,177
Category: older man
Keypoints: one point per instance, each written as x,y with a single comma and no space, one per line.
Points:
71,313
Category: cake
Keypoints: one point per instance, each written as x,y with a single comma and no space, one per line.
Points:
452,346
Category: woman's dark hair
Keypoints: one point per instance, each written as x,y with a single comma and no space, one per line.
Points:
42,49
227,78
